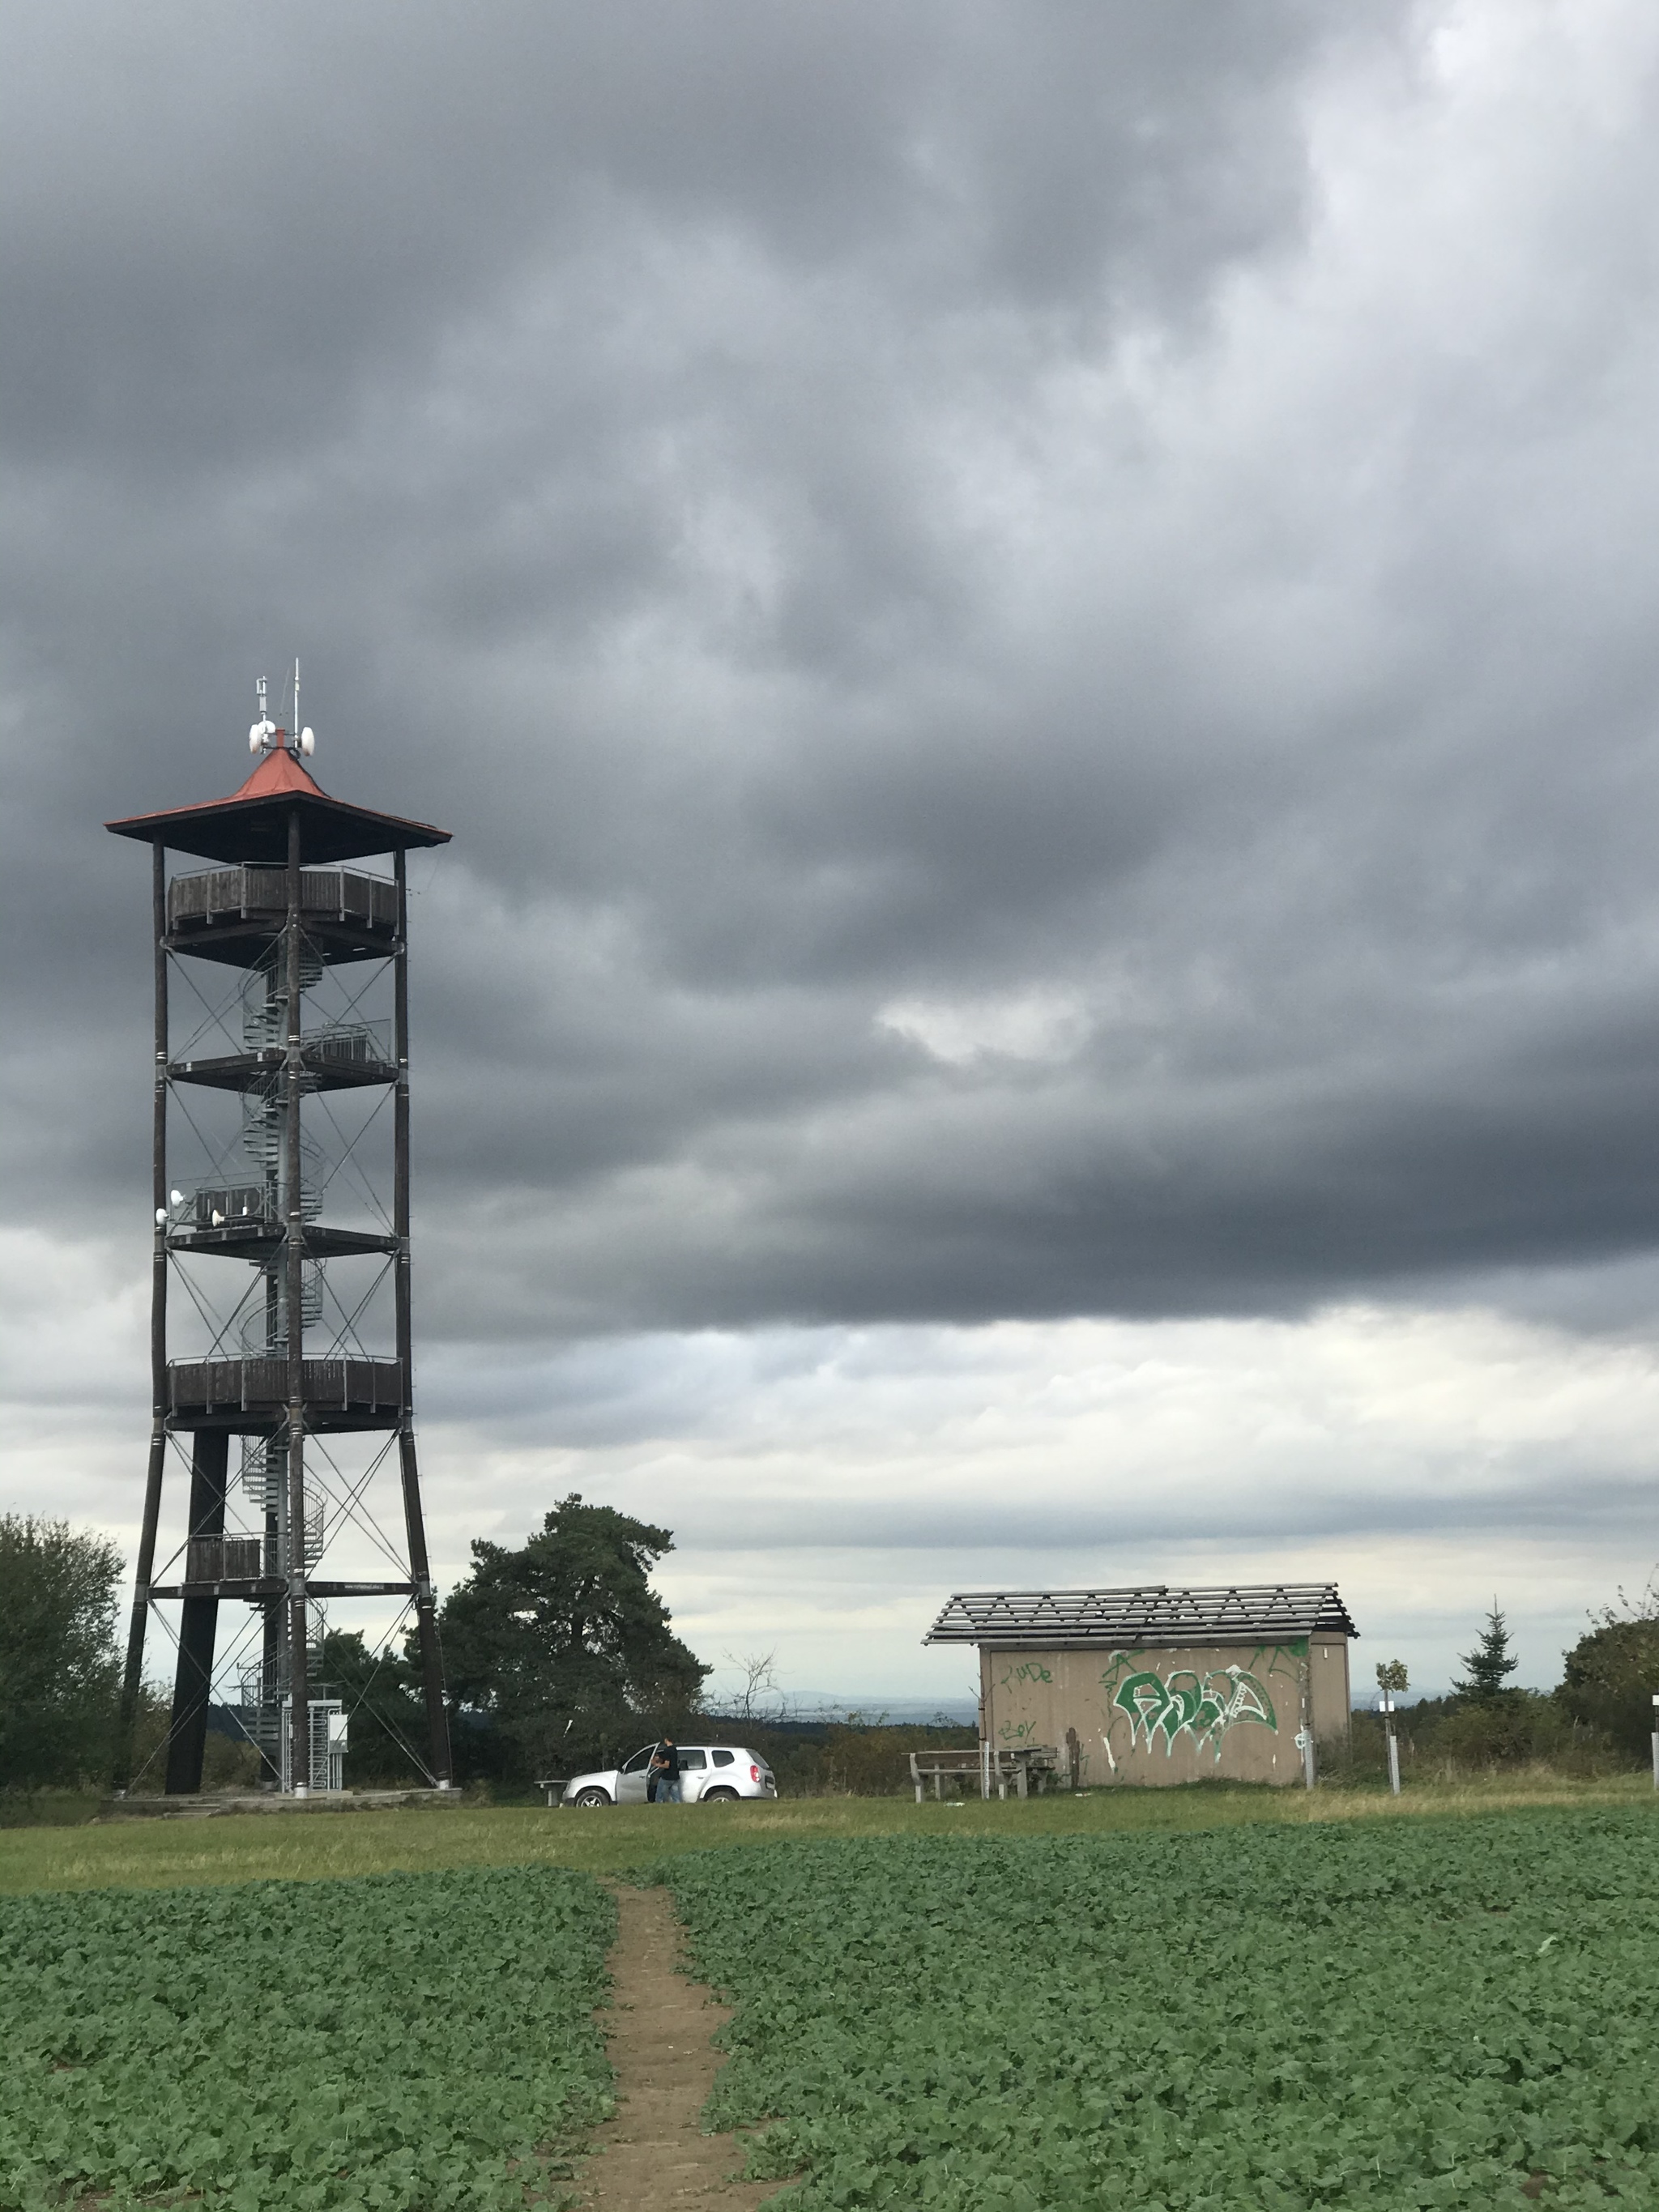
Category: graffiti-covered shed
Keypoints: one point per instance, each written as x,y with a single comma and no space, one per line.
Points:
1161,1685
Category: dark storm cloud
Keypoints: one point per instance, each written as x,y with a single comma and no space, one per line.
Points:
1032,725
226,224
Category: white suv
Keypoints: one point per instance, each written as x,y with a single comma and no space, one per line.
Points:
710,1774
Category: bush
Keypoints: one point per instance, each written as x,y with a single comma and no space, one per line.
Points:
1523,1727
59,1670
229,1763
853,1758
1511,1730
1612,1672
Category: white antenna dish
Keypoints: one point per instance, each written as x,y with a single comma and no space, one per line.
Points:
256,737
177,1196
308,742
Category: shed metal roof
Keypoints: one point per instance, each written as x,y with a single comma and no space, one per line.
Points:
1151,1614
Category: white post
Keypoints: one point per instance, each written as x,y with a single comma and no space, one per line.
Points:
1655,1739
1386,1708
985,1768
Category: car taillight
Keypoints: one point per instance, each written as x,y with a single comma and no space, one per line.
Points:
754,1774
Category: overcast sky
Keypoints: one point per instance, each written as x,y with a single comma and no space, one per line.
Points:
1036,625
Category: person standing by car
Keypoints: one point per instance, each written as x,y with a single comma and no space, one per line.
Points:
664,1787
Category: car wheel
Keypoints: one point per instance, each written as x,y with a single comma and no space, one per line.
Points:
720,1796
586,1800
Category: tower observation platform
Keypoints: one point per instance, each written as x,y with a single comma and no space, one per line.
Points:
280,1257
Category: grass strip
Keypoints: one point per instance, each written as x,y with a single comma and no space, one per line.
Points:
328,1846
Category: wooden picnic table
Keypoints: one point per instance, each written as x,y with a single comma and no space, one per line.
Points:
993,1766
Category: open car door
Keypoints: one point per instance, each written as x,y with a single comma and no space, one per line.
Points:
630,1782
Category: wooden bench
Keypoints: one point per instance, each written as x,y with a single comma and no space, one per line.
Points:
992,1765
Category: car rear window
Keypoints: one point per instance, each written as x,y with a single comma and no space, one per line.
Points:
723,1758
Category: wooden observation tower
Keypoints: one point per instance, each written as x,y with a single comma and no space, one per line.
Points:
280,1256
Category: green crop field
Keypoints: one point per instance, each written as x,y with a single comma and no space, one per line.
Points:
404,2040
1391,2014
1244,2001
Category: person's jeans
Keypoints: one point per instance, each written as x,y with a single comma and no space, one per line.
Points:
664,1789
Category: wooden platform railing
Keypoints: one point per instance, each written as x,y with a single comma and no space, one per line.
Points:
360,1387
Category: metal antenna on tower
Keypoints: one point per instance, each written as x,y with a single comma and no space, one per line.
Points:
259,736
304,741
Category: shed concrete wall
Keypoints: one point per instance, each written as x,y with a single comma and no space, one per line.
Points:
1230,1711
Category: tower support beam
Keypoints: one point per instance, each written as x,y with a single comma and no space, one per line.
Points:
192,1687
425,1624
133,1679
299,1684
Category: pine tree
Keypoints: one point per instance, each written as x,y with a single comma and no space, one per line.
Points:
564,1643
1490,1662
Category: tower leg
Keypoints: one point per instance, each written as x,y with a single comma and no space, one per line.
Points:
299,1657
193,1683
270,1752
426,1623
133,1681
271,1653
294,1300
420,1569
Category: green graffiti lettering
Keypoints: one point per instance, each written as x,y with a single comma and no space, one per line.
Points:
1217,1702
1251,1701
1145,1700
1182,1702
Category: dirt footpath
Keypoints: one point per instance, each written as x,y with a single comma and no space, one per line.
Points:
653,2153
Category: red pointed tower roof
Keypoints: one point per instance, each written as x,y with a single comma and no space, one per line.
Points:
252,825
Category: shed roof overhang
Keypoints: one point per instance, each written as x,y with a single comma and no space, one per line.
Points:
1151,1615
252,825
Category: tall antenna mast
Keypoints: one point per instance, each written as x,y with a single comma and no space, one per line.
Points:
294,727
